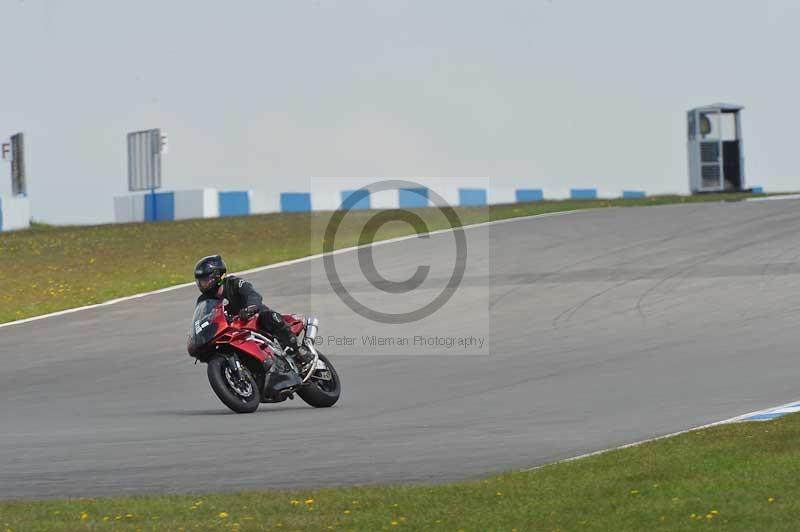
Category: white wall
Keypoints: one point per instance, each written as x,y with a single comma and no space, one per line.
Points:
325,200
188,204
16,212
326,192
263,201
210,203
497,195
192,203
129,208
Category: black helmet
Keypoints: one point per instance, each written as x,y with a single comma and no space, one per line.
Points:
209,272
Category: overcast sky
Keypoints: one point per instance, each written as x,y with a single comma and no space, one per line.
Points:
551,94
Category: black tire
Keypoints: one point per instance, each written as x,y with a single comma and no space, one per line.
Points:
320,394
234,400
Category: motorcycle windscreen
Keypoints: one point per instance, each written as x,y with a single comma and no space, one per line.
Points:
204,326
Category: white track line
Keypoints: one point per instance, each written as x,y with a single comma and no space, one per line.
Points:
773,198
635,444
288,263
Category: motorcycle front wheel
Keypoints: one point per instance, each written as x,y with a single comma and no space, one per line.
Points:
321,393
240,395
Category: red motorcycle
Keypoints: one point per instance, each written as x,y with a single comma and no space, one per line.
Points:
242,360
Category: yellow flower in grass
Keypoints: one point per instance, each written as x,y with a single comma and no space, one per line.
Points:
395,523
84,516
309,501
347,511
294,502
771,499
223,515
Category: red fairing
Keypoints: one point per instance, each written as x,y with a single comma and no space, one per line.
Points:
241,341
251,324
210,326
256,350
296,322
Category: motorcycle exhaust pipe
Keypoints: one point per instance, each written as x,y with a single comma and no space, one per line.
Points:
312,327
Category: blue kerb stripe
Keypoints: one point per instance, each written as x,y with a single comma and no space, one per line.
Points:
413,197
295,201
583,193
772,414
529,194
764,417
633,194
471,196
355,199
163,208
234,203
757,190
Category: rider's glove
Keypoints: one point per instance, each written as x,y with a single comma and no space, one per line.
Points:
248,312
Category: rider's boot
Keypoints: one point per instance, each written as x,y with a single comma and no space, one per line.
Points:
304,358
298,351
276,325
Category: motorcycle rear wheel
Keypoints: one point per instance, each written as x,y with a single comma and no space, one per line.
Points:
242,398
322,394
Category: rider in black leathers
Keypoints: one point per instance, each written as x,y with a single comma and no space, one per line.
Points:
214,283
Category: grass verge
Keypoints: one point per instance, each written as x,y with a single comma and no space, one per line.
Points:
50,268
732,477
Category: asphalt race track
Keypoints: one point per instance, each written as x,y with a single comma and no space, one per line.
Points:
606,327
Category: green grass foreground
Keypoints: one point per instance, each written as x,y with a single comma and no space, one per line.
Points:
49,268
732,477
